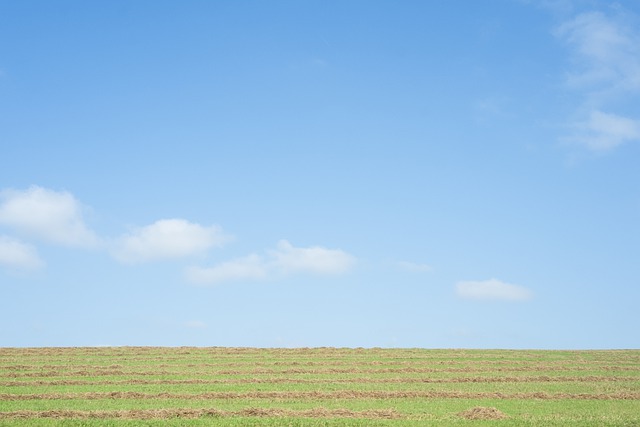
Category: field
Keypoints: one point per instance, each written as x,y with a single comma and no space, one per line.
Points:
127,386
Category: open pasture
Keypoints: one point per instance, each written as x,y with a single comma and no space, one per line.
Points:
125,386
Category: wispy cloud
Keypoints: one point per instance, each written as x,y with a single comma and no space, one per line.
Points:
413,267
46,214
15,254
285,260
492,109
605,50
166,239
492,289
603,131
559,7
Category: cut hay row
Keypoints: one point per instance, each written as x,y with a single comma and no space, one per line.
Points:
314,355
147,414
354,380
298,352
318,395
331,371
307,367
324,363
304,355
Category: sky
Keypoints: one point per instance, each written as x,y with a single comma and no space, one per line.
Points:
434,174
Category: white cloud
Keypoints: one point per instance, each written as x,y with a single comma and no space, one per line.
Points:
46,214
16,254
413,267
252,267
282,261
315,259
603,131
166,239
492,289
606,53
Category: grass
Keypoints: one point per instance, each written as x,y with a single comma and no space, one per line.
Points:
127,386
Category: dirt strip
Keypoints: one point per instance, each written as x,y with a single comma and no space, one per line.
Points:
146,414
318,395
284,380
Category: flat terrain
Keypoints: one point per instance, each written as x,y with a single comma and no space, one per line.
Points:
126,386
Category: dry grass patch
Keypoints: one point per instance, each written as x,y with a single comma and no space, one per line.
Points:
483,413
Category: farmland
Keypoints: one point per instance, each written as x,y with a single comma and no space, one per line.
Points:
126,386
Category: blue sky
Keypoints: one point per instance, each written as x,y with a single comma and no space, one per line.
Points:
317,173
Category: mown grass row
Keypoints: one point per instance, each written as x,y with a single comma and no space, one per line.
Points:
323,386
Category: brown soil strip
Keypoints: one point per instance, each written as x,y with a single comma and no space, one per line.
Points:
360,380
318,395
139,414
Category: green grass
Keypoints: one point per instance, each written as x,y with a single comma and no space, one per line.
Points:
532,388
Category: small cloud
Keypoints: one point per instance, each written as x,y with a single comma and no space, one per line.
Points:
251,267
195,324
50,215
603,131
285,260
492,289
315,259
15,254
167,239
413,267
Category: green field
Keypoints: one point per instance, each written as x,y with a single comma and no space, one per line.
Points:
126,386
